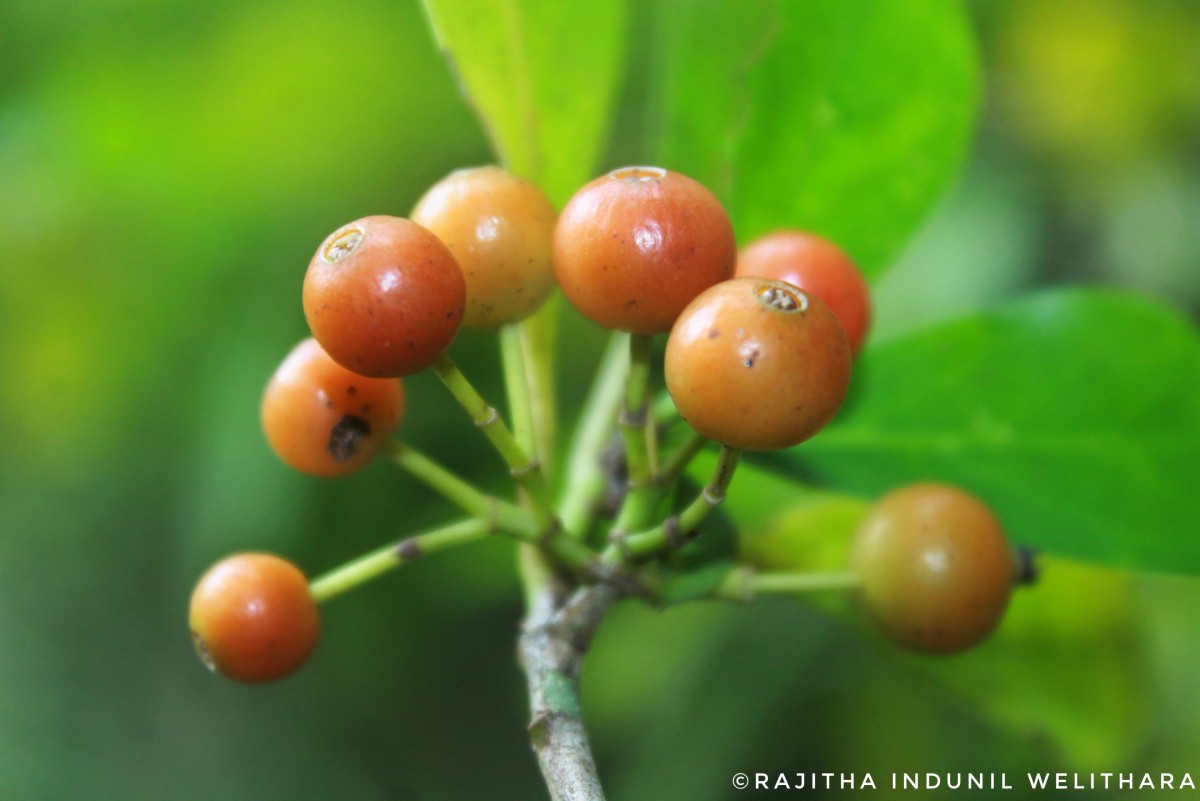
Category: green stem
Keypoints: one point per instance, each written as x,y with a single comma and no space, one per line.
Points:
744,584
675,530
524,469
498,513
537,336
635,422
532,564
643,494
516,384
680,459
374,564
586,477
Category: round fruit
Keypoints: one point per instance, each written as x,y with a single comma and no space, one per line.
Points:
818,267
634,247
935,566
500,229
253,618
757,364
384,297
323,419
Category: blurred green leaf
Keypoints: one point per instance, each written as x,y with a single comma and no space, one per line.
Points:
1066,668
1076,414
783,526
542,75
814,536
845,118
694,584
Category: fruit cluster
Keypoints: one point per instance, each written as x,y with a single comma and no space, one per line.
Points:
758,356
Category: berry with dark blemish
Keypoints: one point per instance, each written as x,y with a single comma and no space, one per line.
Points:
345,436
325,420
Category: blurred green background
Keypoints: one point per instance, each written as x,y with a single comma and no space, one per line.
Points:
167,169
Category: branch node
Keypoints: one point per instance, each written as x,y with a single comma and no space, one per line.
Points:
633,418
550,532
539,730
408,549
491,417
533,465
619,538
676,536
493,515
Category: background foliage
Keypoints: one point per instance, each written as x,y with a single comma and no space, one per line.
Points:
168,169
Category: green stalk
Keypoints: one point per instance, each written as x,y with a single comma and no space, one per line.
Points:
675,530
524,469
585,474
643,494
680,459
537,337
499,514
374,564
743,584
635,421
516,385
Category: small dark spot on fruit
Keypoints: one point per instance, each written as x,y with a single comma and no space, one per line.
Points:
351,390
713,333
345,436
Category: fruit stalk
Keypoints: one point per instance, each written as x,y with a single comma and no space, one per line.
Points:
376,563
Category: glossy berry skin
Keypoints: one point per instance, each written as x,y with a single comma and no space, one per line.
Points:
935,566
634,247
817,266
500,229
325,420
757,364
384,296
253,618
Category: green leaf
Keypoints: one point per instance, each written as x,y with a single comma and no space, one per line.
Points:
542,75
694,583
844,118
1075,414
783,526
813,536
1066,668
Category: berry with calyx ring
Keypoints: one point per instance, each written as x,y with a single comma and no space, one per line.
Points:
384,296
757,364
500,229
935,566
325,420
634,247
817,266
253,618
